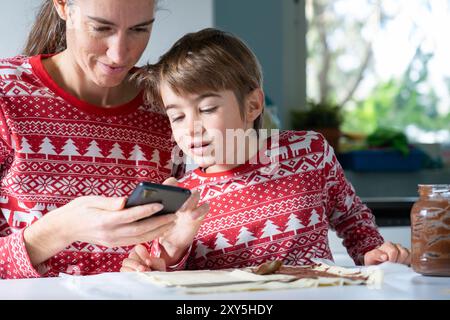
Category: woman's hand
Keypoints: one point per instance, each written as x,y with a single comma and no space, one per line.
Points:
140,260
97,220
103,221
388,251
177,240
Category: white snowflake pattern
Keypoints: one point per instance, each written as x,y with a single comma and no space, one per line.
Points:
68,185
45,185
21,184
91,186
114,188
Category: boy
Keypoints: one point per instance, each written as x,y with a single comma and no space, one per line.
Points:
261,208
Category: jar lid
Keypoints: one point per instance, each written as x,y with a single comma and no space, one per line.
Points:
439,190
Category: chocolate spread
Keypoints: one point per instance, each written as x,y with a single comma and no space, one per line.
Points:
430,231
309,272
301,272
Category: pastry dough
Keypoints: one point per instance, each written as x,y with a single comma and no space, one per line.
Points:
286,277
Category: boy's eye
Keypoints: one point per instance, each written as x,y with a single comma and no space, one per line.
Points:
176,118
209,109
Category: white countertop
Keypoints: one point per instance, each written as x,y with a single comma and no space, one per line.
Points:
400,235
400,282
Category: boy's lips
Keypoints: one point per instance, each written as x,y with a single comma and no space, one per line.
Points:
199,148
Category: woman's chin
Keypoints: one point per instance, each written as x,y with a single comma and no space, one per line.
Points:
109,83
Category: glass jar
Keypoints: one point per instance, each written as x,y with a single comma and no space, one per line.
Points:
430,231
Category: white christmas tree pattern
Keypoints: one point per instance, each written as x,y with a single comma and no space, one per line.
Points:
315,218
269,230
47,148
26,148
155,157
245,236
70,149
116,152
201,250
137,154
169,165
221,242
93,150
294,223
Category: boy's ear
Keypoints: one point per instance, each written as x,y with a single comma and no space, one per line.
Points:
254,104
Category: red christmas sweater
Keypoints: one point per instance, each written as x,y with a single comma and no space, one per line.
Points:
54,148
280,210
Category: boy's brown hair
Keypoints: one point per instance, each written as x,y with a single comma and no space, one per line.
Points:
206,60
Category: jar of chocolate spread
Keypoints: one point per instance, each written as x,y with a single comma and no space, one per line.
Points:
430,231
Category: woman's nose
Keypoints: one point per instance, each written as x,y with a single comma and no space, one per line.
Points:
117,49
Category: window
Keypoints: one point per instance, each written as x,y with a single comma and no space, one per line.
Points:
384,62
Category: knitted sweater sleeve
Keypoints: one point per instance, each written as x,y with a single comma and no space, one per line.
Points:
348,216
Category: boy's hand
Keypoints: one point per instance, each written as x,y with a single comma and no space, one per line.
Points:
140,260
177,240
388,251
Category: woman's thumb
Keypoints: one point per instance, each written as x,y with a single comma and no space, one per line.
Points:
104,203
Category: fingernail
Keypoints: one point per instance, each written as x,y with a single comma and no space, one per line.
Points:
121,201
157,206
196,193
383,257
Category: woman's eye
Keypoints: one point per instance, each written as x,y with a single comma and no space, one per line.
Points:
209,109
101,29
141,30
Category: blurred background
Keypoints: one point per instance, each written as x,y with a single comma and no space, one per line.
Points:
371,75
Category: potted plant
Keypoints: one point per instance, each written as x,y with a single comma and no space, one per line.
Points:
385,149
325,118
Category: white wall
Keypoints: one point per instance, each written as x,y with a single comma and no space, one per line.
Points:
16,18
275,31
175,18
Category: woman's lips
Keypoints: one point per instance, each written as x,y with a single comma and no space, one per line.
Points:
111,70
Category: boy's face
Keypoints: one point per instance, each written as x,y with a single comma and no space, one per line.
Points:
206,126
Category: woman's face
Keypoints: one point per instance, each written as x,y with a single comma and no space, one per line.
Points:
106,38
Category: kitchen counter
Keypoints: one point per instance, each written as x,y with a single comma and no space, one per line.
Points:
400,283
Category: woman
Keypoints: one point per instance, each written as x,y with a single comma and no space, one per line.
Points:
76,138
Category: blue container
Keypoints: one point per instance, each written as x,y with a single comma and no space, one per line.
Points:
378,160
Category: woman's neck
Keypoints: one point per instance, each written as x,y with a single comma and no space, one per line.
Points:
69,76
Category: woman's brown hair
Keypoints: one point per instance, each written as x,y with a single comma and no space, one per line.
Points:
209,59
48,34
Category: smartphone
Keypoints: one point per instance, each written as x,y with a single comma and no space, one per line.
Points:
171,197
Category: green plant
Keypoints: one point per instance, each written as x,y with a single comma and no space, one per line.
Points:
317,115
389,138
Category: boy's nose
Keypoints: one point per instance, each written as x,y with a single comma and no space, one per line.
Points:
196,128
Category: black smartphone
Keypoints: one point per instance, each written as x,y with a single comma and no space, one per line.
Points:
171,197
